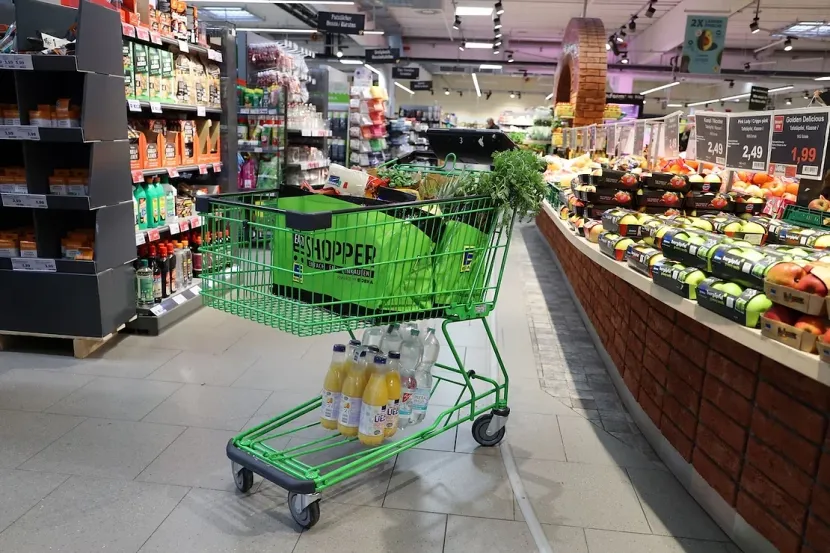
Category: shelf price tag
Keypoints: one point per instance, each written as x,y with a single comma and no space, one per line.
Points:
138,176
202,169
34,264
711,137
174,228
157,310
8,132
200,111
798,144
37,201
133,105
155,37
16,61
183,47
173,172
671,136
139,238
155,107
195,221
28,132
142,33
196,290
747,146
217,167
127,30
153,235
184,224
179,299
217,56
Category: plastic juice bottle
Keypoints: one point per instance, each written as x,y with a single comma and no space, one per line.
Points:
140,195
371,351
351,398
393,388
373,411
332,386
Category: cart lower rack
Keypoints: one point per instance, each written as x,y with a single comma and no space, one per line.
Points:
310,264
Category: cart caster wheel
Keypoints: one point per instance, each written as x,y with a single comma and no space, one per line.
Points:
242,477
480,434
305,517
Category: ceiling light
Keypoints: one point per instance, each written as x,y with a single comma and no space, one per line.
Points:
822,79
753,27
372,69
632,26
461,47
661,87
624,58
231,14
788,44
497,23
489,66
674,105
497,35
457,23
693,104
788,101
351,62
402,87
480,45
779,89
475,83
275,30
446,92
650,10
607,46
373,32
497,42
339,53
549,96
496,51
510,57
618,38
499,8
472,10
736,97
806,95
512,94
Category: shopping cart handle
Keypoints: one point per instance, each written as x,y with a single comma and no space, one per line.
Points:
268,472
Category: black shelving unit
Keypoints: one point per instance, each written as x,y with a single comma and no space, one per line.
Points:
69,298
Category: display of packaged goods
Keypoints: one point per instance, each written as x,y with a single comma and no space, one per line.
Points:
728,299
642,258
622,222
613,245
678,278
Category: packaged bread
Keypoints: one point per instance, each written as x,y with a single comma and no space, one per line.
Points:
213,73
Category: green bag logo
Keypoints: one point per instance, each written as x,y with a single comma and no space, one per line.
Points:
298,272
467,259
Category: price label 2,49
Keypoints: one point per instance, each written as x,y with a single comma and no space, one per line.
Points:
748,144
711,137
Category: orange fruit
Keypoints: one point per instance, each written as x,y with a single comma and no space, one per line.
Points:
760,178
792,188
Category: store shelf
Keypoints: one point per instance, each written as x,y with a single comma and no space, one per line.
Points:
258,111
311,133
174,107
260,149
307,165
170,310
144,35
183,224
215,165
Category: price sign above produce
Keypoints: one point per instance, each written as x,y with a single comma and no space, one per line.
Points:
573,144
748,143
612,138
711,137
592,138
798,143
671,136
626,142
602,138
639,137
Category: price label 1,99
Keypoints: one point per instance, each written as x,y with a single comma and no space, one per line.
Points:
798,144
711,137
748,144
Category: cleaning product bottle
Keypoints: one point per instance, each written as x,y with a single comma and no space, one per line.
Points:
373,410
162,202
153,193
393,388
198,259
351,398
170,194
140,194
332,386
156,275
144,283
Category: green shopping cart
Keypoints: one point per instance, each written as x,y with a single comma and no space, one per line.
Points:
310,264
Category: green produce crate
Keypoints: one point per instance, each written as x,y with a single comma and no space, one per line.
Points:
806,217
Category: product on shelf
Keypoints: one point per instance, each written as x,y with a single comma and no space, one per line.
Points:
13,180
18,242
78,244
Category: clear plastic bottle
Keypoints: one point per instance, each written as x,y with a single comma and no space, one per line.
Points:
373,410
392,339
431,347
423,377
412,350
372,336
406,327
351,397
393,388
371,351
408,388
332,386
144,284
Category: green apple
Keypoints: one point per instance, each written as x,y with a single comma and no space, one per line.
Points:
734,226
753,255
752,228
696,240
736,253
702,224
755,308
623,244
628,220
695,278
798,252
742,244
731,288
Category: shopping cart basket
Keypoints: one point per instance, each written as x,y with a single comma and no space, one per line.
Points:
339,264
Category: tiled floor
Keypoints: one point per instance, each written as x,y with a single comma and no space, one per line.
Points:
125,452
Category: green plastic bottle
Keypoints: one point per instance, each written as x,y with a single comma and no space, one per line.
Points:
140,195
162,201
153,216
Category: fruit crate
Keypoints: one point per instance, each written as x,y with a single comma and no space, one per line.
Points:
806,217
554,195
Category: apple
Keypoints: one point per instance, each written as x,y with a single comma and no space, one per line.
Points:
695,178
695,278
628,220
702,224
754,190
785,273
820,204
753,255
755,308
629,180
734,226
798,252
754,200
593,234
822,242
781,314
670,198
622,197
752,228
623,244
731,288
812,324
811,284
696,240
671,212
719,202
677,182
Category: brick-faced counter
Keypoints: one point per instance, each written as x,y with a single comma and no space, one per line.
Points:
750,418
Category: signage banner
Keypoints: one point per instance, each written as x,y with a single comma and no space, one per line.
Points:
611,137
383,55
341,23
758,98
420,85
703,44
405,72
622,98
626,138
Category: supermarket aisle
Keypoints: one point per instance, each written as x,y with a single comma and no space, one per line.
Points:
125,452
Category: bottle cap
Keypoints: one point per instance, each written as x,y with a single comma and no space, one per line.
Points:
415,332
374,349
394,355
339,348
144,263
380,359
363,353
354,343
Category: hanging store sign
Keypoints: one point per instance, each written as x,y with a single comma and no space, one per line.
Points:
341,23
383,55
799,141
711,138
758,98
420,85
747,145
612,137
639,137
671,136
703,45
625,139
405,72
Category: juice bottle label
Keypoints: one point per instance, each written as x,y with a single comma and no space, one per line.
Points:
392,409
350,410
372,420
157,286
420,399
405,406
331,405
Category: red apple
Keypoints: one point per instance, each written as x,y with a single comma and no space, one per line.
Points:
781,314
812,285
812,324
629,180
671,213
670,198
825,337
719,202
819,204
677,182
785,274
622,197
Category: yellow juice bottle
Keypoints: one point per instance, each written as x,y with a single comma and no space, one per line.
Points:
332,387
351,396
393,388
373,410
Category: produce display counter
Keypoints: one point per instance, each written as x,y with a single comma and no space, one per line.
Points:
740,419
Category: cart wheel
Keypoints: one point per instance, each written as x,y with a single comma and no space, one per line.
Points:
480,434
307,517
242,477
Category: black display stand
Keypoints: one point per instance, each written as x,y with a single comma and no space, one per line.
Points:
49,295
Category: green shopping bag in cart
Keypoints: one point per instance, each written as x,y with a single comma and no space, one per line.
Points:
354,259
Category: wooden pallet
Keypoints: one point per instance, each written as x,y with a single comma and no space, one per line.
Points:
82,347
